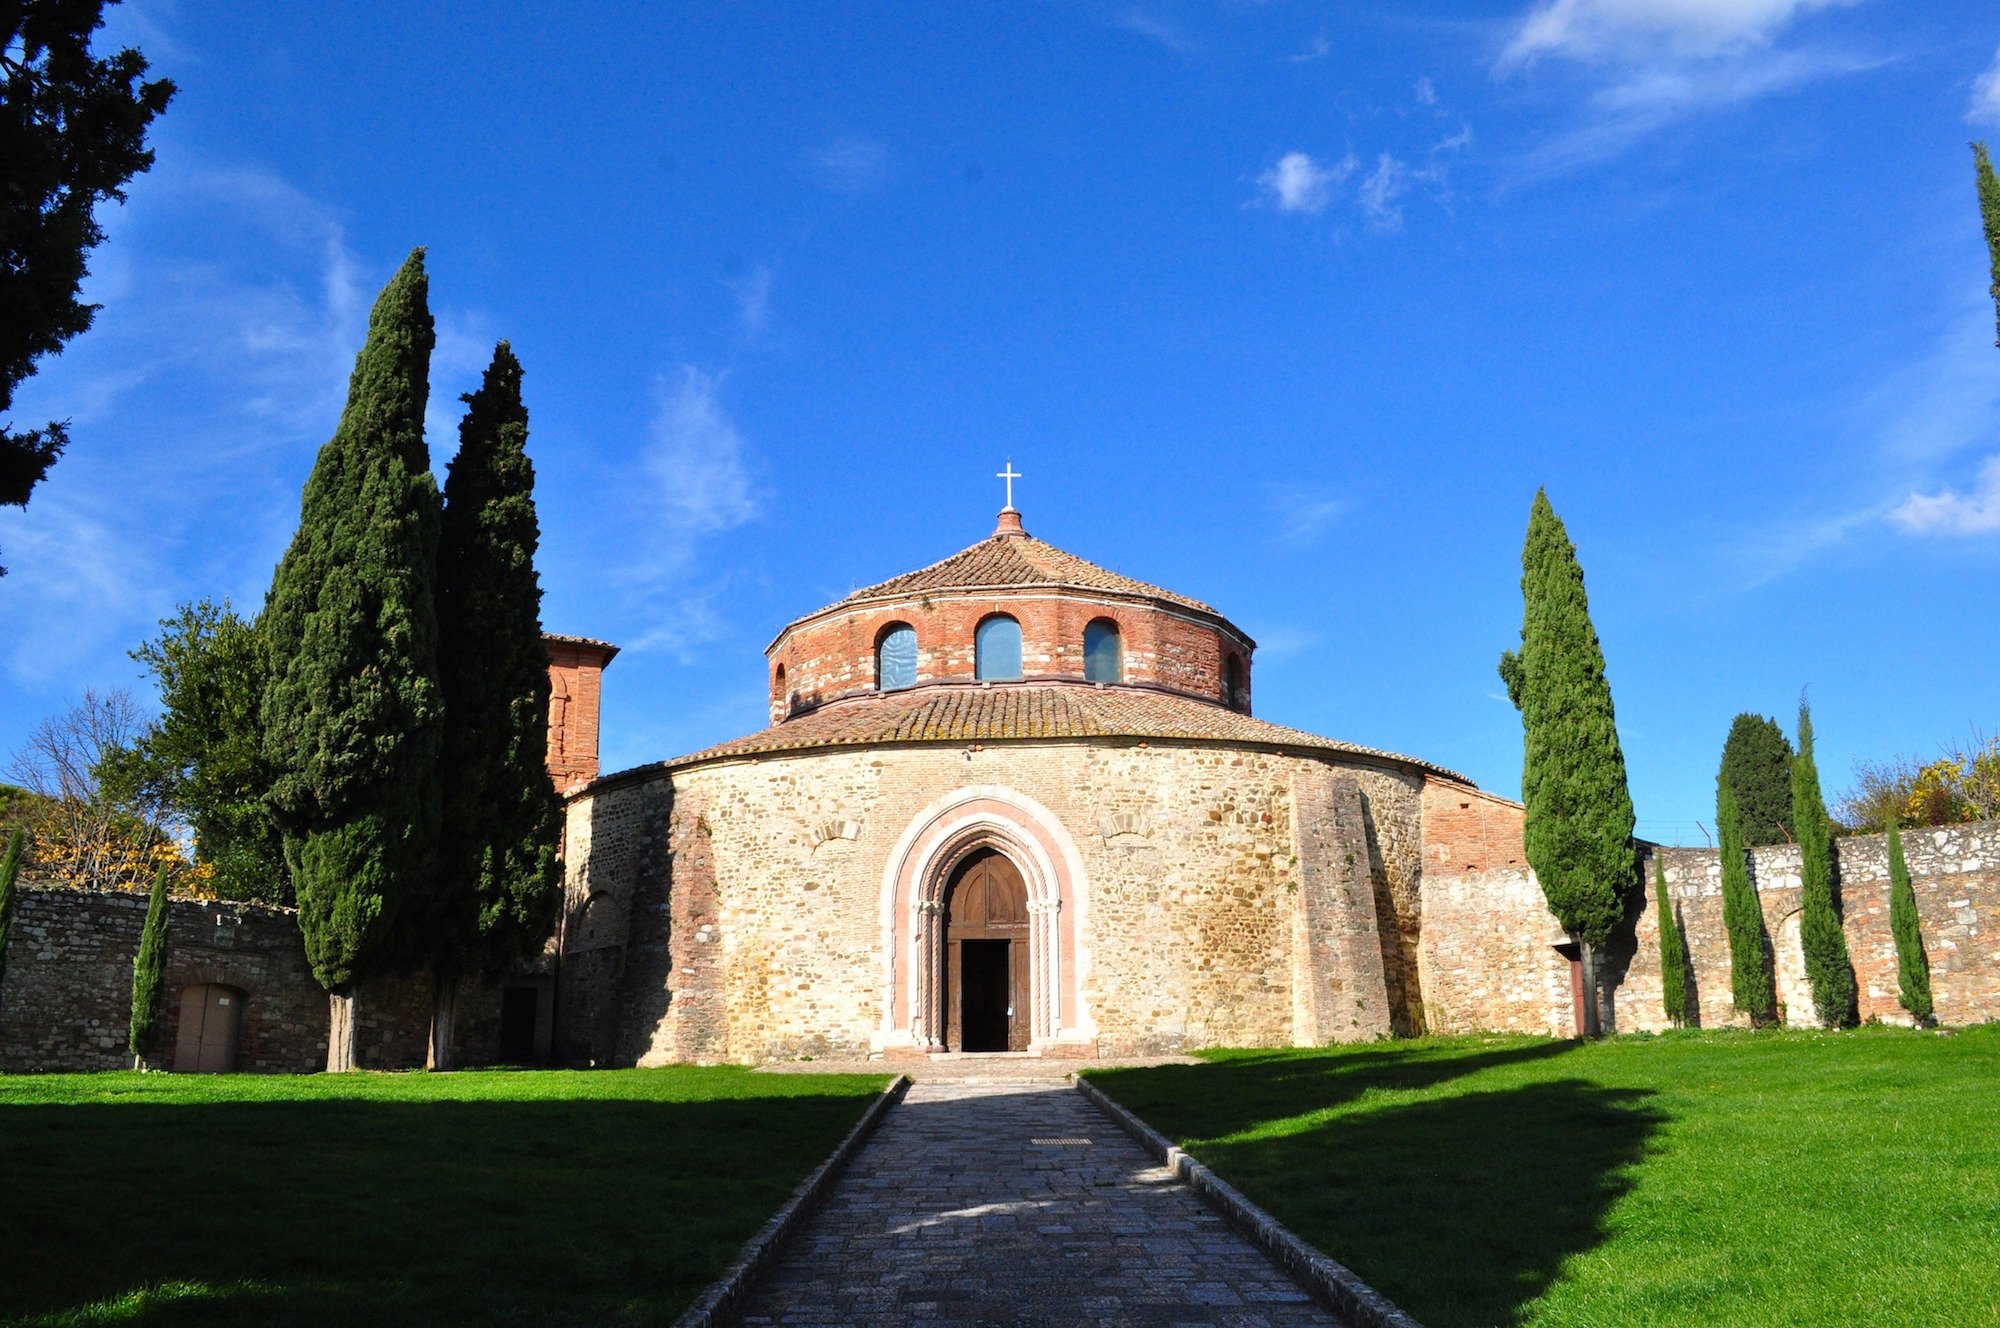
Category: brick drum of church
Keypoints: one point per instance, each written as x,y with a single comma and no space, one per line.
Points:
1171,872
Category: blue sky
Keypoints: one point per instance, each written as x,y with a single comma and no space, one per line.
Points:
1289,307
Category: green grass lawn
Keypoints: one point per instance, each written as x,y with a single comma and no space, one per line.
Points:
1686,1180
503,1197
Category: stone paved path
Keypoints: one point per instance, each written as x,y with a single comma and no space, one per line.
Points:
974,1204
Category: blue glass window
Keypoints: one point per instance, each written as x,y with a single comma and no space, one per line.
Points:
1103,653
996,649
896,658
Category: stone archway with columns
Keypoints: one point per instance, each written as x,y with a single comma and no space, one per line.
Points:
914,882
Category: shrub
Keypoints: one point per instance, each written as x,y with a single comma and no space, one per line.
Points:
1913,966
148,971
1673,950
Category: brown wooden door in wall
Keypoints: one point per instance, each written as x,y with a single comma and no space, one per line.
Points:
986,956
211,1019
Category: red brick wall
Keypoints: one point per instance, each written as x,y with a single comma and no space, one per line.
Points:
1468,830
576,673
834,656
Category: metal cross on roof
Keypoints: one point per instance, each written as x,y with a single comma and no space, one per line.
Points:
1010,475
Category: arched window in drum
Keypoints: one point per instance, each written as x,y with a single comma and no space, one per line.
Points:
1103,652
896,658
996,650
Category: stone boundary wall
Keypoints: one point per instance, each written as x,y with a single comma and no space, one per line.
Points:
1489,963
66,996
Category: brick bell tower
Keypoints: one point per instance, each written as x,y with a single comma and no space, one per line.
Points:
576,688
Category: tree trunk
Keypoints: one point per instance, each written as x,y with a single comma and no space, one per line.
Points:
444,1021
340,1031
1592,1021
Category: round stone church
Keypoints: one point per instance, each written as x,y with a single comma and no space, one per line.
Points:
1012,802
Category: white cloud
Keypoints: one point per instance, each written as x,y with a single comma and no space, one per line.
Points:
852,166
1300,184
1303,515
1157,30
1427,92
753,297
1651,63
1647,29
1985,108
1319,49
696,456
1380,192
81,579
1953,513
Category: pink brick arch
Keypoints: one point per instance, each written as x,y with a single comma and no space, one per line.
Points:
919,867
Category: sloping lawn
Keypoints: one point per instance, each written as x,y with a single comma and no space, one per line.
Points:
1724,1179
538,1197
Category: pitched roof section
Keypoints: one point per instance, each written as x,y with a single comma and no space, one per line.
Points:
997,712
1008,560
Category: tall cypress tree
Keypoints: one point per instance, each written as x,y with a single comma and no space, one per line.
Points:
1913,966
500,885
1989,212
1742,916
10,870
1673,949
1578,827
1757,762
352,714
1828,969
148,972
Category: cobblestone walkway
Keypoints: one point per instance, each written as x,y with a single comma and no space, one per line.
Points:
1019,1204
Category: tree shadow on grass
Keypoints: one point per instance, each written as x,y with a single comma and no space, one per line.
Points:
1461,1209
339,1212
1240,1091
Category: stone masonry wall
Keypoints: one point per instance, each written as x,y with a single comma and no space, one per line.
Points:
774,934
1489,961
66,996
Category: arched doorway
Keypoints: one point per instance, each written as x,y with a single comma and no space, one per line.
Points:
211,1020
986,955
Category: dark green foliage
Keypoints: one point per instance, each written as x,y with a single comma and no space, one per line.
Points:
500,885
1742,917
1828,968
1579,811
1673,949
203,759
149,967
10,871
353,715
1989,214
1913,966
72,133
1757,762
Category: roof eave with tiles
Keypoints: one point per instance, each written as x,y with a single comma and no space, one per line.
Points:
1034,711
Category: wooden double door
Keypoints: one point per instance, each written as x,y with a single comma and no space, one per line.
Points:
986,956
211,1021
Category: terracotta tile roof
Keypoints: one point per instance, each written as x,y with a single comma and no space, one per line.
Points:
962,713
608,649
1003,560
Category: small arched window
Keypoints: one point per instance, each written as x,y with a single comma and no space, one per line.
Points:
896,658
1103,652
1232,682
778,682
996,650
